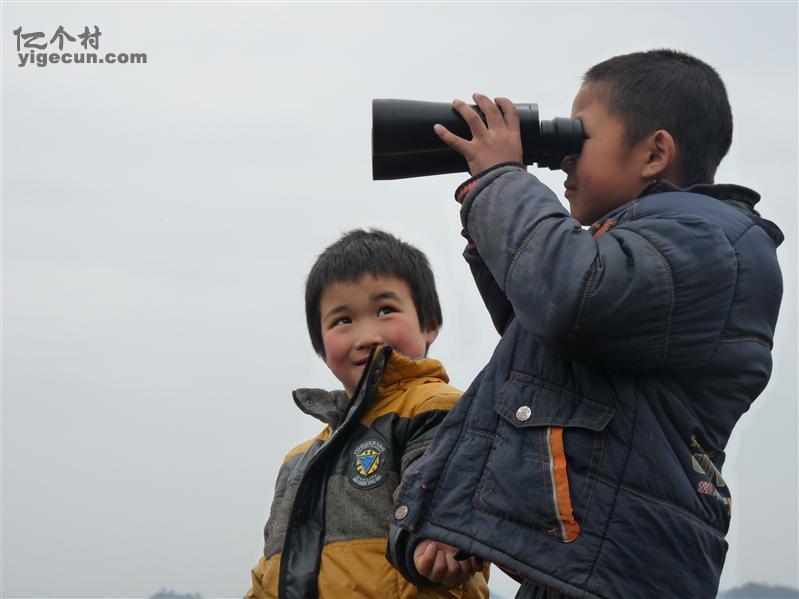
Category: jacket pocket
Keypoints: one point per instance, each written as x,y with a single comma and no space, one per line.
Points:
541,466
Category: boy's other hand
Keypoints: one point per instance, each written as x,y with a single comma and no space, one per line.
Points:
494,142
436,561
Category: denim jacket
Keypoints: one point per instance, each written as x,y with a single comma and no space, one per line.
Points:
587,454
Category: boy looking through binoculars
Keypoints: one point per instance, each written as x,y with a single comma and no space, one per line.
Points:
586,457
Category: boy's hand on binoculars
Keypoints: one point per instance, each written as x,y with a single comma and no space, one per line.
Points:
436,561
496,141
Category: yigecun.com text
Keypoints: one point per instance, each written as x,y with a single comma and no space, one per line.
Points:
42,59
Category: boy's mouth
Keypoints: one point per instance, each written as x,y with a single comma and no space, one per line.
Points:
570,189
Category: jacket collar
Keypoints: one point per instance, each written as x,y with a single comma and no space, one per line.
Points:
328,406
738,197
332,407
400,369
741,198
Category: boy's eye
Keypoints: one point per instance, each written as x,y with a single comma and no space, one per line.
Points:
342,320
385,310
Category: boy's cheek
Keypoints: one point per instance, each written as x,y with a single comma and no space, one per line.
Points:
335,358
334,353
408,343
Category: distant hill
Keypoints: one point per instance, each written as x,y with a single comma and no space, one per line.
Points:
750,590
170,594
753,590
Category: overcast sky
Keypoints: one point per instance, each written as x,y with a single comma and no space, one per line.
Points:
158,221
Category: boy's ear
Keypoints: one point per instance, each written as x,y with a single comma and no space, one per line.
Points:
431,335
661,157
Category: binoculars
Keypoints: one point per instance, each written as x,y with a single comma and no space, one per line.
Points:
404,144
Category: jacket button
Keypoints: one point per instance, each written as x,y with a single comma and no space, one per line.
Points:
401,512
524,413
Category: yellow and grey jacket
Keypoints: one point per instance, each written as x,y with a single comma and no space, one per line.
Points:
329,522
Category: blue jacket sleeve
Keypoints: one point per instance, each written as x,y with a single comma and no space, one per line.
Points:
647,294
499,307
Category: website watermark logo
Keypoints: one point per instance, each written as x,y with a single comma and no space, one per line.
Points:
34,49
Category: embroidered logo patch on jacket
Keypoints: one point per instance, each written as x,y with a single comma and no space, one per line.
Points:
368,464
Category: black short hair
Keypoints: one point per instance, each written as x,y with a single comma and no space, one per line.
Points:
376,253
670,90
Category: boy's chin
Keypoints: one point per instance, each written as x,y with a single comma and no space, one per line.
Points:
576,211
585,217
582,218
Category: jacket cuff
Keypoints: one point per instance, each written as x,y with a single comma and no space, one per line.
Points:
399,552
473,187
467,185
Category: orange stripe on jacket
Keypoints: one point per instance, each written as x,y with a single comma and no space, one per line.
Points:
603,228
571,528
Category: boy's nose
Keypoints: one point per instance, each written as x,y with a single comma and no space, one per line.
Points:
567,164
369,338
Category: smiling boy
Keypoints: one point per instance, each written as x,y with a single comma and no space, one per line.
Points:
372,312
357,315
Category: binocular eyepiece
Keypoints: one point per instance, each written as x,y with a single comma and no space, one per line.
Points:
404,144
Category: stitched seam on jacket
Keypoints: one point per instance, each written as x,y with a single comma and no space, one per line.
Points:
746,340
734,292
484,434
612,509
522,247
661,501
744,232
566,582
460,436
574,397
589,283
594,469
671,288
538,383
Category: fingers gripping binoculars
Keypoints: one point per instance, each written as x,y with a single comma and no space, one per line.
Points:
404,144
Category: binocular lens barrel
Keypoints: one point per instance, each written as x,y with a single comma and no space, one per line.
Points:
404,144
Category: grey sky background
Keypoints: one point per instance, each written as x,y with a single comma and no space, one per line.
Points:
158,221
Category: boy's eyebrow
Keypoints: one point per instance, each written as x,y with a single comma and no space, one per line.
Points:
385,295
336,310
